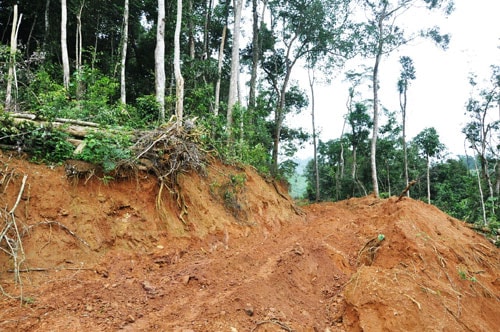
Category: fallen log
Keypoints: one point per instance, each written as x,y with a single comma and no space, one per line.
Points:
77,131
31,116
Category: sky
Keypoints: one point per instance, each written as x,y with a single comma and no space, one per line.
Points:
438,96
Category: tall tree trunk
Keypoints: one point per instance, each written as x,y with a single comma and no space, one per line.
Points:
481,194
12,60
78,52
279,117
160,60
340,167
179,80
235,65
354,162
219,70
256,50
487,177
315,153
388,170
375,83
64,44
208,17
373,150
46,25
94,51
405,152
255,55
279,114
497,179
123,90
428,179
190,28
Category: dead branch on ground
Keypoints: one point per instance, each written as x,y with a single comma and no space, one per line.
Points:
10,236
272,321
63,227
403,193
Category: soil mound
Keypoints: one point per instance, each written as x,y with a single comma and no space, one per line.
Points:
230,251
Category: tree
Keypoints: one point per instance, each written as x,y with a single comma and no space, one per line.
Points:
353,106
389,153
256,49
430,146
315,150
455,190
302,30
160,60
235,65
12,59
407,75
179,80
123,91
64,44
219,70
79,51
381,37
46,24
360,123
483,129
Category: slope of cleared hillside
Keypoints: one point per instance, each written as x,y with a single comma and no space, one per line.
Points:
230,252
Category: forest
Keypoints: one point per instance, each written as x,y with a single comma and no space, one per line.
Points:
222,70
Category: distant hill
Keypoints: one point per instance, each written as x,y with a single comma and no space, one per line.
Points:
298,182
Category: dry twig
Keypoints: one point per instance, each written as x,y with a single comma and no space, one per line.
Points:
10,235
272,321
63,227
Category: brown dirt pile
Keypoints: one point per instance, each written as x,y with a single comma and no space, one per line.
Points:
229,252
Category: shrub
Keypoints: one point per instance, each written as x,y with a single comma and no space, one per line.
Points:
106,149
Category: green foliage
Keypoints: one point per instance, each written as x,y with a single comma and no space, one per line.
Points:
199,101
145,112
92,97
251,138
42,143
49,145
256,155
106,149
465,275
49,97
428,142
287,168
29,300
455,190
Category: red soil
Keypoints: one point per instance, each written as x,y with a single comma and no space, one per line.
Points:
100,257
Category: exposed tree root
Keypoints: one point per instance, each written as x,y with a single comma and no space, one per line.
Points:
63,227
292,205
367,253
167,152
11,237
